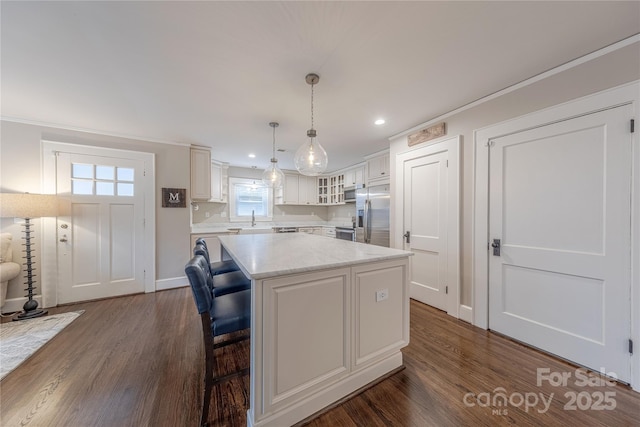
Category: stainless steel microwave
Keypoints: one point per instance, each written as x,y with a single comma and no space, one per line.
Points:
350,194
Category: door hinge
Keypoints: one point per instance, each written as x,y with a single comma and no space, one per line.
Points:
630,346
447,163
633,126
446,290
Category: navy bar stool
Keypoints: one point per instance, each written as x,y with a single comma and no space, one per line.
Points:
218,267
223,283
219,316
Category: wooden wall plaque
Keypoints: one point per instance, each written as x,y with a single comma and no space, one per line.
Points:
427,134
174,197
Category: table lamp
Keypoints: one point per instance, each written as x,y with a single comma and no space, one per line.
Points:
28,206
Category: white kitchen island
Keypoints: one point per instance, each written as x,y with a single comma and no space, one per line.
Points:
328,317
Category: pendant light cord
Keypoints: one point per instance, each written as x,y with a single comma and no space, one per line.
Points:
274,144
312,105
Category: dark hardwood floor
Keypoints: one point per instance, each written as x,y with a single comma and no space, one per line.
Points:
138,361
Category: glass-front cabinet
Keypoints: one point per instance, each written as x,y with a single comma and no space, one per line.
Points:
323,190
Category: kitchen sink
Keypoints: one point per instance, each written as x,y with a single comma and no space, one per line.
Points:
251,230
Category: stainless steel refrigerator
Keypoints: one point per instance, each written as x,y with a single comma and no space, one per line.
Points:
372,215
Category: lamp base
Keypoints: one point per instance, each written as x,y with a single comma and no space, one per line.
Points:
25,315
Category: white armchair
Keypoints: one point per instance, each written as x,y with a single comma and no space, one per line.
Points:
8,268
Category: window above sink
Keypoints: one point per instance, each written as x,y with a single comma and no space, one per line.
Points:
248,199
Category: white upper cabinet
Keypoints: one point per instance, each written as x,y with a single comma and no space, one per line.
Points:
297,190
290,189
323,190
219,182
336,192
307,190
200,174
378,167
354,177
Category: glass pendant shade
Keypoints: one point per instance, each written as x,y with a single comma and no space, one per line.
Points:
272,175
311,158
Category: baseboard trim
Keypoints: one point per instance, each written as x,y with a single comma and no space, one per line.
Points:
466,313
14,305
171,283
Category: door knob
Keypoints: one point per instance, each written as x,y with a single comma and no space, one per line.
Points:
496,247
407,236
63,239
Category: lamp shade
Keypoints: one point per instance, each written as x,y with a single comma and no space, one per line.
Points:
28,205
311,158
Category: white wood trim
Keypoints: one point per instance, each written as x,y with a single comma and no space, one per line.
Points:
466,313
13,305
452,145
171,283
93,131
621,95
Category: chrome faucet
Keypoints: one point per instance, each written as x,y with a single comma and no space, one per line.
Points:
253,218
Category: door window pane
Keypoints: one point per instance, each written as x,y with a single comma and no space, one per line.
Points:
104,183
125,174
79,170
105,172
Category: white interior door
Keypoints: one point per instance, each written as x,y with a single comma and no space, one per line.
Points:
425,217
101,240
560,204
430,210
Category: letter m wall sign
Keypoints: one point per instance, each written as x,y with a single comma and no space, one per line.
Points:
174,198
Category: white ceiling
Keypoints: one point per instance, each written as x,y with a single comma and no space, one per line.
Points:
216,73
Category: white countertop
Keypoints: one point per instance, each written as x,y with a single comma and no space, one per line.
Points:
268,255
226,227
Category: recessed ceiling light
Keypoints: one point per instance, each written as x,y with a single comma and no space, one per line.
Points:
252,155
379,122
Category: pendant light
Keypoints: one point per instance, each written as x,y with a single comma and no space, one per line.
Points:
272,176
311,159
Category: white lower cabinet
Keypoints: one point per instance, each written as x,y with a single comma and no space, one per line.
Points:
329,231
324,334
311,230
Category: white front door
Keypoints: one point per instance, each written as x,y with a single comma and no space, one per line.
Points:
430,219
101,239
560,205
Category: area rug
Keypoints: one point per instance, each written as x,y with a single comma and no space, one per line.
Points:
19,340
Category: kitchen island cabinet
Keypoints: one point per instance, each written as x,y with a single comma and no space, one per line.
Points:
328,317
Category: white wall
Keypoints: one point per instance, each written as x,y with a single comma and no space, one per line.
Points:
610,70
21,171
